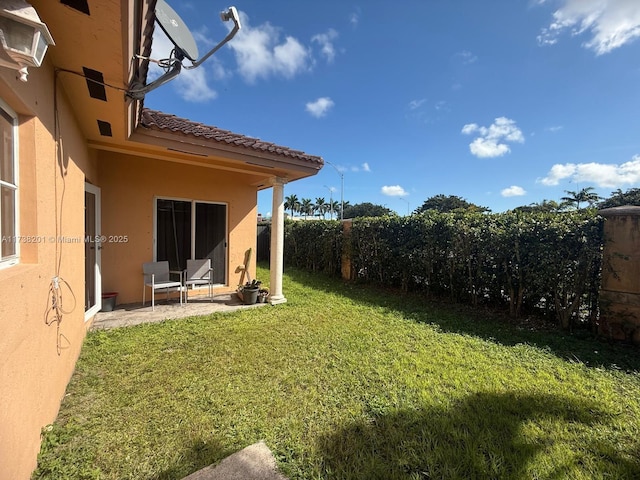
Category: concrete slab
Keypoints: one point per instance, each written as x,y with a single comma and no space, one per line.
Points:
135,314
255,462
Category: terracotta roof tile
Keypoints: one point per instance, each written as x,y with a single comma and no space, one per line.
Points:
164,121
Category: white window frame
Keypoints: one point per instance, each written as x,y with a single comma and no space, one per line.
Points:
15,257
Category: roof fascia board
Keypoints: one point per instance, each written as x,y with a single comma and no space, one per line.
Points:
179,143
136,12
107,147
247,168
260,180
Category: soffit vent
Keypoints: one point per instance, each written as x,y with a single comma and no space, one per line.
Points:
105,128
95,83
80,5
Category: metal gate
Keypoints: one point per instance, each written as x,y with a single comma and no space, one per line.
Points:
264,242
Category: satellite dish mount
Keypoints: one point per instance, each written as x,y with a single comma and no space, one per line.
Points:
185,47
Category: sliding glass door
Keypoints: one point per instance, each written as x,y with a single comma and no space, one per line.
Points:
187,229
173,232
211,237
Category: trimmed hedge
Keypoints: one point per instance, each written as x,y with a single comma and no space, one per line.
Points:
313,245
522,262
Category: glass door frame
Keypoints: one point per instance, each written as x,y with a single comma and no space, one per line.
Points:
90,244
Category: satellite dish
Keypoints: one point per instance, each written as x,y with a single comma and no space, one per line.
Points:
176,30
179,34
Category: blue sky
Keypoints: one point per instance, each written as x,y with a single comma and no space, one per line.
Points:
501,102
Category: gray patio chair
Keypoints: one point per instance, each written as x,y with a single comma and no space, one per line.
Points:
157,277
198,272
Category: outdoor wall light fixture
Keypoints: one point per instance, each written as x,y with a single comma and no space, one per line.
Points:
24,37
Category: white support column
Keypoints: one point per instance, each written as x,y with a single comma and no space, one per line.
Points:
277,242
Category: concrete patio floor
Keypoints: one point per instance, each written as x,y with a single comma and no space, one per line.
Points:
135,313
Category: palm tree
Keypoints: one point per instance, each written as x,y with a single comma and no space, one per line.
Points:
321,206
584,195
334,207
344,206
306,207
590,196
292,203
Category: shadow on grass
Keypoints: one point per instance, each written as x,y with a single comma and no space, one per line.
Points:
455,318
193,457
483,436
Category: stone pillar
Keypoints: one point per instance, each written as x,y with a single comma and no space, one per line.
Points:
277,242
620,287
347,269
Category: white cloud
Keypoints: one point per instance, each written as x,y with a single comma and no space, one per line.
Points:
325,40
354,18
442,105
487,148
558,172
290,57
470,128
201,36
492,141
364,167
319,107
414,104
513,191
611,23
554,129
260,53
361,168
599,174
192,86
466,57
394,191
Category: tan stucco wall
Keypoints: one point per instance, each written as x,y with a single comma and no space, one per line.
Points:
36,359
129,186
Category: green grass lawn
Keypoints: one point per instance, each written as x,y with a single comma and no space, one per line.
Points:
347,382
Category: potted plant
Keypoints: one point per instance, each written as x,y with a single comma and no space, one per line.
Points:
248,292
108,301
263,294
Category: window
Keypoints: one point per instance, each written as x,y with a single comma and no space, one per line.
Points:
8,186
188,229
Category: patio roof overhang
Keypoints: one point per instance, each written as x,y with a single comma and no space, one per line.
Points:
176,139
94,58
